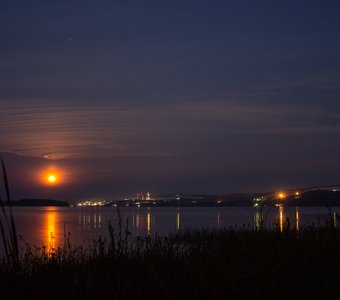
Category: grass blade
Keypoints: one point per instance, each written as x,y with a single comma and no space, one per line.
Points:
12,228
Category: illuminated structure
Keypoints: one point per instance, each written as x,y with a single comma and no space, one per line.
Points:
148,196
140,196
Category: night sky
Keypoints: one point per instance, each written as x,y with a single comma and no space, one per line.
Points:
169,96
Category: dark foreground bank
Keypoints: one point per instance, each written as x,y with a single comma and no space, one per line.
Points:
223,264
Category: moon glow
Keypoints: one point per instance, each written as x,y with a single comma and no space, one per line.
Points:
52,179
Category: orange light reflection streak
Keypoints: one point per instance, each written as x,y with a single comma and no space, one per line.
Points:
51,231
281,218
148,221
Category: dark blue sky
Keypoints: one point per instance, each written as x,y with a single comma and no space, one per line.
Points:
169,96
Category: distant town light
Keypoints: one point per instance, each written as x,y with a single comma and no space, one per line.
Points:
259,201
282,195
91,203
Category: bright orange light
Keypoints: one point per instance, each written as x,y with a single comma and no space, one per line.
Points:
52,178
281,195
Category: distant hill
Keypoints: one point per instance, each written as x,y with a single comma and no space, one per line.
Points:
321,198
39,202
315,198
194,200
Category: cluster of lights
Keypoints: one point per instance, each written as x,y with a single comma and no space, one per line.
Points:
91,203
257,202
282,195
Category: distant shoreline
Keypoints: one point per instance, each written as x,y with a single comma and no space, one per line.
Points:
320,198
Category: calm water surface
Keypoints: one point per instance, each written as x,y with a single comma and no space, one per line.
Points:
46,226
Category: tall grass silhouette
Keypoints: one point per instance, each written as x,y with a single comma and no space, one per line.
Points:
7,224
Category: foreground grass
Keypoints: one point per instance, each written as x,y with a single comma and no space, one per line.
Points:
199,264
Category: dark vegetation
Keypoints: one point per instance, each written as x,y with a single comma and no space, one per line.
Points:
200,264
223,264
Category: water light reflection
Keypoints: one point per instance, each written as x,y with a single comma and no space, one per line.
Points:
148,222
144,221
45,226
297,221
258,219
138,222
51,230
178,220
90,220
218,219
281,211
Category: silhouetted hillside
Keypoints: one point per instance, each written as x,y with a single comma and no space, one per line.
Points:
315,198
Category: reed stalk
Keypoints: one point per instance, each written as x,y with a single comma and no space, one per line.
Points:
7,223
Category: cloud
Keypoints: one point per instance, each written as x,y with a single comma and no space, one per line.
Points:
74,131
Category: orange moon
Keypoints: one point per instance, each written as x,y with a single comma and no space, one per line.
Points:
52,178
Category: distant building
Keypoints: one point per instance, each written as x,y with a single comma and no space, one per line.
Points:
140,196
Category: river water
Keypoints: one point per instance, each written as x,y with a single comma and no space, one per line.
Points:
47,226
